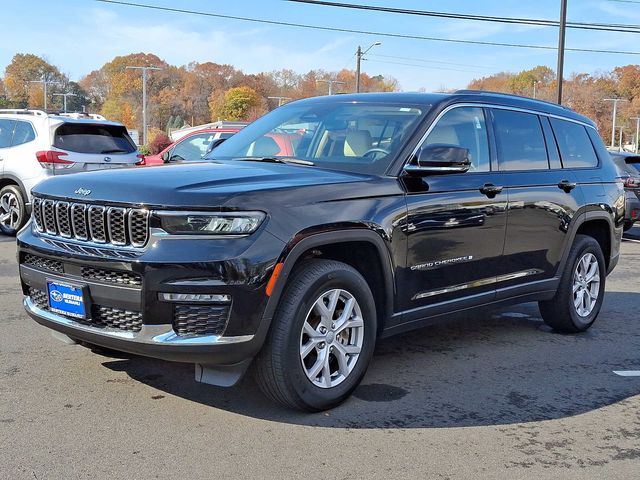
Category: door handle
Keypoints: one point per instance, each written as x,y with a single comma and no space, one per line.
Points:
567,186
490,190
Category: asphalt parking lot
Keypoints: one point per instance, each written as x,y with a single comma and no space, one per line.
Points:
486,395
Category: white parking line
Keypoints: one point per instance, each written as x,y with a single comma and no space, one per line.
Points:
627,373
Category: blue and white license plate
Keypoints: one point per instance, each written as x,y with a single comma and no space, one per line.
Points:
66,300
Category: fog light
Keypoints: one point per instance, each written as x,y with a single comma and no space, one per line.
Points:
195,297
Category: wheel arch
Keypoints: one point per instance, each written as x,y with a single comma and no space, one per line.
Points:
598,225
335,245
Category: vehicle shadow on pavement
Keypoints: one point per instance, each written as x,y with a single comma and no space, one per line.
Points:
484,368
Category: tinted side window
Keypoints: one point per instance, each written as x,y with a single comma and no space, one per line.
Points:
6,132
464,127
520,141
23,133
194,147
576,149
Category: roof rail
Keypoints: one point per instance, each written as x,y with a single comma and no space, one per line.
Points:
24,111
77,115
509,95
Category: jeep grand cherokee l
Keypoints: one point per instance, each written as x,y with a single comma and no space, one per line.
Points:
395,211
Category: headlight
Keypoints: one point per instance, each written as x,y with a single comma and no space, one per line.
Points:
236,223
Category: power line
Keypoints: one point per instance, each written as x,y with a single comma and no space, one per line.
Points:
360,32
608,27
413,59
428,67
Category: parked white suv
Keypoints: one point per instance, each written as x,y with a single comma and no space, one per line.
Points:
35,145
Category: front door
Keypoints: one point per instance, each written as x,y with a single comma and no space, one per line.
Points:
456,223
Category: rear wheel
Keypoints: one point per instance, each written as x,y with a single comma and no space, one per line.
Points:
13,212
579,298
321,339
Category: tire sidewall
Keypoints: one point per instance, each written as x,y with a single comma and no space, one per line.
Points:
589,246
21,205
298,382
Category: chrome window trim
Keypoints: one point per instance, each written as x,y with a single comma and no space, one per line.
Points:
487,105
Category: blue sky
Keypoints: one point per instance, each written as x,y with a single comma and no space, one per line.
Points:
81,35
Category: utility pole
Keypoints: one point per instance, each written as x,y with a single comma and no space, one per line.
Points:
615,113
331,83
620,142
535,84
359,54
64,98
561,36
637,119
280,99
45,82
144,99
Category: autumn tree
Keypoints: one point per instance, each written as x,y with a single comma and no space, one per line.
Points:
22,71
237,104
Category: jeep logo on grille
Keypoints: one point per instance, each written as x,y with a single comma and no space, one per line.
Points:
83,191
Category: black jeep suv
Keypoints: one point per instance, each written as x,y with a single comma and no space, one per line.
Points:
393,211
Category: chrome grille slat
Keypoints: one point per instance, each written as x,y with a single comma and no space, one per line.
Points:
79,221
63,222
96,224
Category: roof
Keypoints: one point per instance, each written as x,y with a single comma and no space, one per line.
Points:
75,117
471,96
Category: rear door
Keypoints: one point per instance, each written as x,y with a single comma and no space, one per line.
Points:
542,198
93,146
6,134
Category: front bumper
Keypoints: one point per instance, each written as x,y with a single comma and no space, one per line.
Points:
137,321
158,341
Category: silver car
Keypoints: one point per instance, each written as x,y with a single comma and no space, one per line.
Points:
35,144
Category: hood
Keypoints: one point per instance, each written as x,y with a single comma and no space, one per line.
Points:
231,184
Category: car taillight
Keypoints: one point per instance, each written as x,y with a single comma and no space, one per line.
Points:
632,183
142,161
51,157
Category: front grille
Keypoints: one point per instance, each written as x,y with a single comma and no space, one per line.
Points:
200,319
115,318
43,263
101,317
96,223
111,276
39,297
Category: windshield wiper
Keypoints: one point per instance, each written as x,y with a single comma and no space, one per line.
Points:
114,150
287,160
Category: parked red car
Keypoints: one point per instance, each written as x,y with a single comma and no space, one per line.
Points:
191,147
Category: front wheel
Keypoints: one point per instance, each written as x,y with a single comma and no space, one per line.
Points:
321,339
580,294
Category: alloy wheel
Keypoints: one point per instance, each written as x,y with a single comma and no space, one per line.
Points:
10,211
586,284
331,339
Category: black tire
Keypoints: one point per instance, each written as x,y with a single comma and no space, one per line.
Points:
627,226
278,368
560,312
14,192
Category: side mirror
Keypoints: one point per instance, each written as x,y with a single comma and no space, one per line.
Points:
214,144
439,159
166,155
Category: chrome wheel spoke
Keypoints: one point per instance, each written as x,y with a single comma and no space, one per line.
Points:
331,339
586,284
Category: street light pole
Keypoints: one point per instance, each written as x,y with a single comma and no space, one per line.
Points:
280,99
359,54
620,142
615,113
561,37
637,119
144,98
64,98
331,83
44,82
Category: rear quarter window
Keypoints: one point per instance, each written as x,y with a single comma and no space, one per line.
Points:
576,149
23,133
96,139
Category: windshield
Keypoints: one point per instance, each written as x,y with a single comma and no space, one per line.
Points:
356,137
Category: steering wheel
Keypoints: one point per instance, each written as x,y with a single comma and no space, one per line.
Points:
376,150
